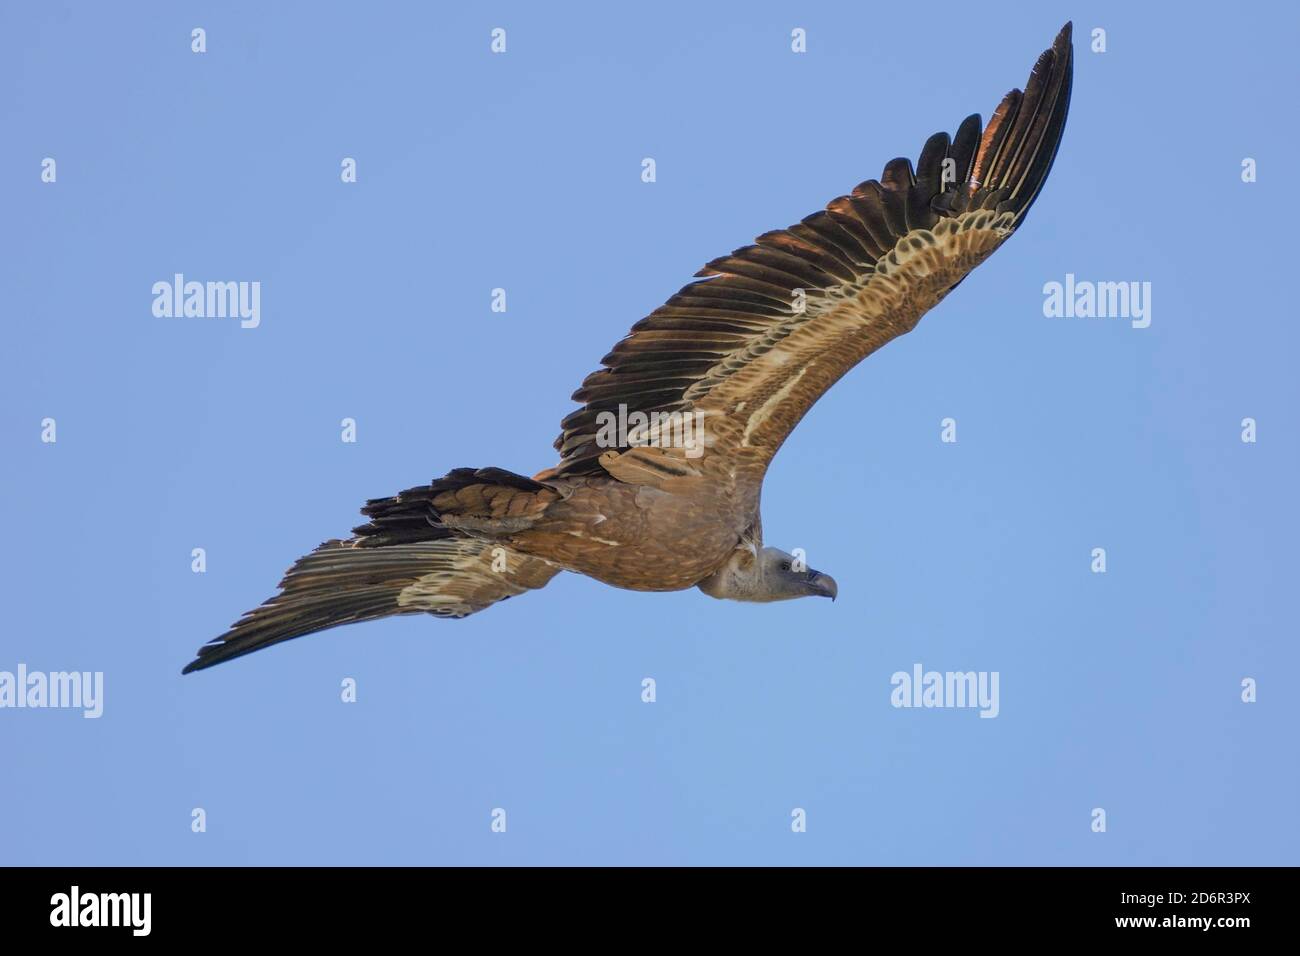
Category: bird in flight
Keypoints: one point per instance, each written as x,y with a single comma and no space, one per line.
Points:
661,469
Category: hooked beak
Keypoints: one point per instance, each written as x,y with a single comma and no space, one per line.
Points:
822,585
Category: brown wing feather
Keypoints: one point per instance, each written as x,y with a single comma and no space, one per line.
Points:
343,582
430,549
732,346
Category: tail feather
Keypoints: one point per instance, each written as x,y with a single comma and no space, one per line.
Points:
476,500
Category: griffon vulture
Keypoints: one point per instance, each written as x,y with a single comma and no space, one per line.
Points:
730,363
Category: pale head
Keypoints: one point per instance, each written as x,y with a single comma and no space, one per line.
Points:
769,574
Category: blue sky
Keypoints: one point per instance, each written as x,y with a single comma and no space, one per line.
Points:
522,170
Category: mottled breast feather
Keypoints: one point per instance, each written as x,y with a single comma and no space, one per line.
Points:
764,331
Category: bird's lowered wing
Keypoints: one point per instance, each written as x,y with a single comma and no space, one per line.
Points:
768,329
343,582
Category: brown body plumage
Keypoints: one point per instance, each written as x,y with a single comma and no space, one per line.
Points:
747,349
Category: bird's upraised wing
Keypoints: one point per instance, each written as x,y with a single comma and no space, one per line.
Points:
765,331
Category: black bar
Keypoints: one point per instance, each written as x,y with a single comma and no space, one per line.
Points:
331,905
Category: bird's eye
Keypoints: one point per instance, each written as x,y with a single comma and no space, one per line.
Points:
785,565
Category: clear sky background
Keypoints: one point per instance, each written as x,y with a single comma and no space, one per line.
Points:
1119,690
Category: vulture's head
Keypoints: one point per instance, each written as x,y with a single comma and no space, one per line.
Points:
769,574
